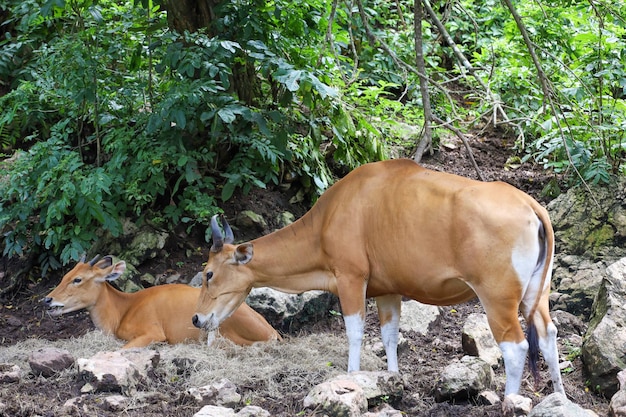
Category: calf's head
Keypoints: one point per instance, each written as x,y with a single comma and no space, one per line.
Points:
81,287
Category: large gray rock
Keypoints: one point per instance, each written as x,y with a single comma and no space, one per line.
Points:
577,280
418,317
337,397
49,361
119,371
350,394
557,405
289,312
223,393
215,411
478,340
617,407
9,373
589,227
604,345
464,379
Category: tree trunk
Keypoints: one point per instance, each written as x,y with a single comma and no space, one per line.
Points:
426,139
192,15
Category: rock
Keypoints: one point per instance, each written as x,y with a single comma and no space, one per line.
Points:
488,398
49,361
145,245
9,373
617,407
515,405
14,321
557,405
247,219
253,411
119,371
292,311
75,406
215,411
337,397
418,317
567,323
577,280
223,393
115,402
478,340
463,379
585,227
350,394
376,385
385,411
604,345
285,219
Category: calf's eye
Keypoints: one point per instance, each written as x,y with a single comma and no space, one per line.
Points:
77,280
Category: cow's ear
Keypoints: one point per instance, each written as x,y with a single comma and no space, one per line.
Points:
243,253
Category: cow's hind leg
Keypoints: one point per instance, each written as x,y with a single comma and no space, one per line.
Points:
389,316
545,333
502,314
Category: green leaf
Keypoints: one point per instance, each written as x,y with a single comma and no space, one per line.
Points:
227,191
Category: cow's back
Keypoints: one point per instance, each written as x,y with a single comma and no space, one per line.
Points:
422,233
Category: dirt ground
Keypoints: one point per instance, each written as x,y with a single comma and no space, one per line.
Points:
421,360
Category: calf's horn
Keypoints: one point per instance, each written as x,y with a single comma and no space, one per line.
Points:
94,260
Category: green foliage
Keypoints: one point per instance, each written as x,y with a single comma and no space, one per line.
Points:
53,200
581,50
110,114
147,120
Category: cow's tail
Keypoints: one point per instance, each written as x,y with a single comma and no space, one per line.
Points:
546,237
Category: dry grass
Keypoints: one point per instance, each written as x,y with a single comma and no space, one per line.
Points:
265,370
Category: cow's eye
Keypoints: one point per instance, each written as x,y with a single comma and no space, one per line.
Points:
209,275
77,280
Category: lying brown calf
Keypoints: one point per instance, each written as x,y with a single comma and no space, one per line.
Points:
156,314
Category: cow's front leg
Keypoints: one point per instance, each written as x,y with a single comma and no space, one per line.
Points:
352,299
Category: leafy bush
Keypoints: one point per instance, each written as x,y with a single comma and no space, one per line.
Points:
53,200
125,118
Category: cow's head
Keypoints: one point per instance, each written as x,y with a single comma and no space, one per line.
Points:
81,287
226,279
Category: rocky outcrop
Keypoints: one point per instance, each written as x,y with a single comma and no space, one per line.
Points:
590,231
604,345
591,227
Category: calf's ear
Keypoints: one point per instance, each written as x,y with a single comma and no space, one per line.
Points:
117,271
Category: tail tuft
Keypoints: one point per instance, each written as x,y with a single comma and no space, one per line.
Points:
533,350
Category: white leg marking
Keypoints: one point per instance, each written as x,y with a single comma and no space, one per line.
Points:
514,355
550,352
355,326
389,334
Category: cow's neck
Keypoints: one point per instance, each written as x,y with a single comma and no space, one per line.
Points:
291,259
